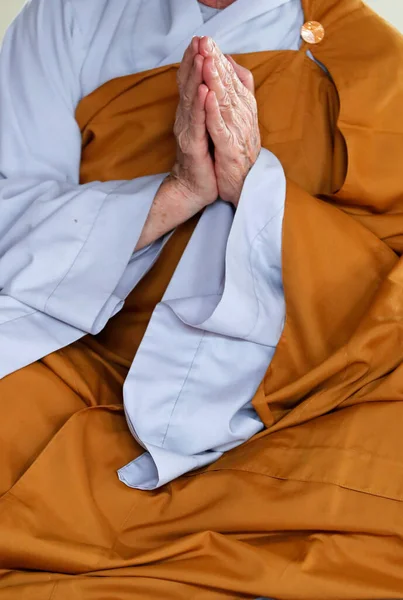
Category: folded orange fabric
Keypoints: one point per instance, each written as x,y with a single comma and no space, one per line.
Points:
311,508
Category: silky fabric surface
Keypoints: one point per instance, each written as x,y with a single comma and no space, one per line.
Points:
311,508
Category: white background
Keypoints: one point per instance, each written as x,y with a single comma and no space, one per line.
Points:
389,9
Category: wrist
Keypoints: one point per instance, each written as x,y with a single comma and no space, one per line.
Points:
177,190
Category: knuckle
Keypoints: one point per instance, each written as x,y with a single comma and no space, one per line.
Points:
226,102
187,100
251,104
187,144
215,74
193,120
179,80
227,78
177,130
251,85
235,146
244,91
183,141
178,124
181,134
223,132
229,66
249,77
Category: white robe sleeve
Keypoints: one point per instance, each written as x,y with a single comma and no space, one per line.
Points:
64,247
212,337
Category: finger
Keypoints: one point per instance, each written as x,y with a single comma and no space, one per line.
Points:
187,62
195,79
197,121
225,71
209,49
244,75
214,82
215,123
206,46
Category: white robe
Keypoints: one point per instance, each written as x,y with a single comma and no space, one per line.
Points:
66,250
208,12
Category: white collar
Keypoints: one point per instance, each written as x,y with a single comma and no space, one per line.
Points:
237,13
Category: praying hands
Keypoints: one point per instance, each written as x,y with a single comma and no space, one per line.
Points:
217,135
217,104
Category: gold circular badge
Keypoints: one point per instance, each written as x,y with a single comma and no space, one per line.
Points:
312,32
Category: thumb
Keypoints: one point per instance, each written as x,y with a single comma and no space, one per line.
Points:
244,74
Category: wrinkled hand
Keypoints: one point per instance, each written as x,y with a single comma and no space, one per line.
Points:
231,119
194,167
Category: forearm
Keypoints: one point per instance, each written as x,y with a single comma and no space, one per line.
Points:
64,248
172,206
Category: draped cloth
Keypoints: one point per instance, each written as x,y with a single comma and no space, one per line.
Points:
312,507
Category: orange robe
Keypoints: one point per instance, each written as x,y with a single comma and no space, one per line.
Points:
310,509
